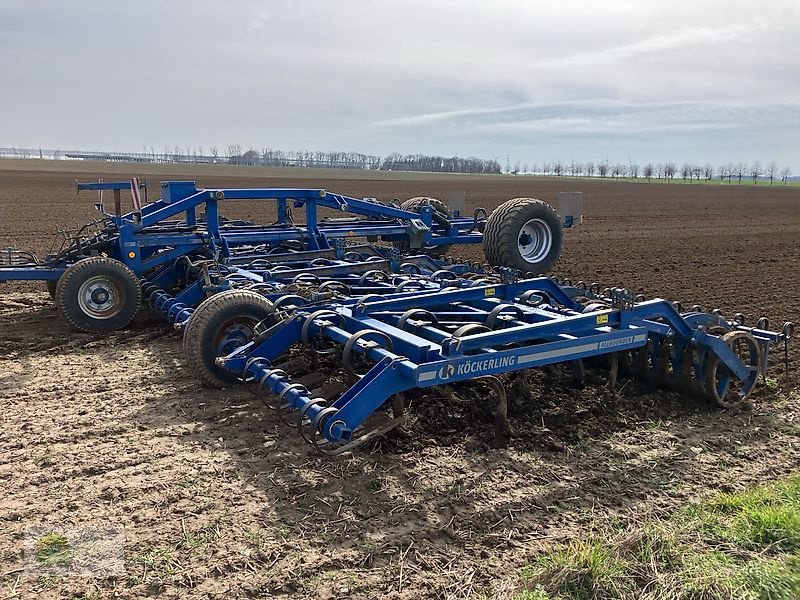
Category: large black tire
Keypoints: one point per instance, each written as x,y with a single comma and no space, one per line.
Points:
524,234
220,324
440,215
98,295
415,204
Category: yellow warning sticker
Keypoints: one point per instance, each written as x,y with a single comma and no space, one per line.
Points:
602,319
489,292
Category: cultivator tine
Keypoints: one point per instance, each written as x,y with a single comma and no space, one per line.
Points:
613,372
330,390
293,366
373,434
788,332
262,394
502,428
578,372
312,381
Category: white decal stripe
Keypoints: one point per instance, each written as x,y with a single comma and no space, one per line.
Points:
526,358
556,353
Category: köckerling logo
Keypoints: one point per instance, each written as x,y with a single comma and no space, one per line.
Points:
446,372
477,366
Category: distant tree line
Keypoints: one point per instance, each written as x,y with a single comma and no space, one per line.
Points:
666,171
234,154
439,164
357,160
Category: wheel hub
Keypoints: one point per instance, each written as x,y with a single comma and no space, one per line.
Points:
99,298
535,240
233,335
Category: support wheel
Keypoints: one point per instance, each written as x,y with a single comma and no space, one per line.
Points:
524,234
414,204
98,295
218,326
724,387
440,215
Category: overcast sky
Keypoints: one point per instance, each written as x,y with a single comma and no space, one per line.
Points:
699,80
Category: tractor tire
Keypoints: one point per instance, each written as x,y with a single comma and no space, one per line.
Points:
524,234
414,204
218,326
52,285
98,295
440,215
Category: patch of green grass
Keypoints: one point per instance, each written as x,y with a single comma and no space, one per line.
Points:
258,543
256,538
53,550
190,481
744,545
194,538
155,561
538,593
45,459
46,582
582,570
763,518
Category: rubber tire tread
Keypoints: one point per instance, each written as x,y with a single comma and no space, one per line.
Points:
414,204
66,294
440,212
198,337
500,237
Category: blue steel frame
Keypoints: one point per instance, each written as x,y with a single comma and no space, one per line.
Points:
351,271
171,227
535,332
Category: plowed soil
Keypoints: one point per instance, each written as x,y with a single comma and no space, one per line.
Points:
216,497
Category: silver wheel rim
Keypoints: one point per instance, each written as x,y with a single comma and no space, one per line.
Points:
535,240
100,298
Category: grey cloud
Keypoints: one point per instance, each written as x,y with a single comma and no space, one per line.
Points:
519,77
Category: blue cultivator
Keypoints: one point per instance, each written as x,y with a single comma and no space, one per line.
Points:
274,305
457,330
362,270
99,273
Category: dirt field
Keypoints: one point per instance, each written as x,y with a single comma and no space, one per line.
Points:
213,498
